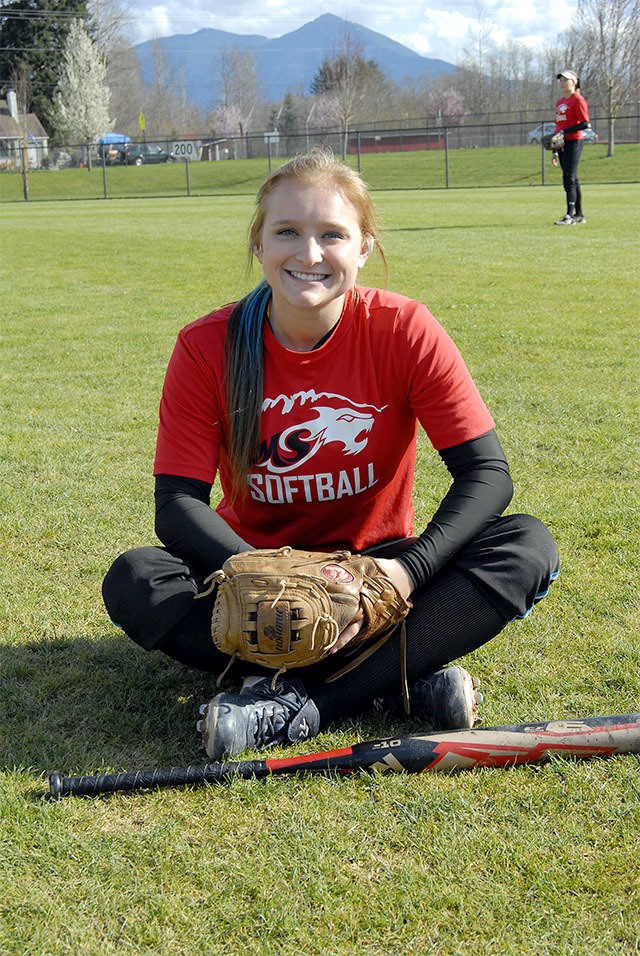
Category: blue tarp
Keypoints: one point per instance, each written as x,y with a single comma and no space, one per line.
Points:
114,138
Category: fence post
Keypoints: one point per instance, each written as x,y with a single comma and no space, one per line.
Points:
446,155
186,164
104,176
25,178
544,166
358,149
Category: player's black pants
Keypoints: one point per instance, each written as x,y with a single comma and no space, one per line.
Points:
569,158
497,577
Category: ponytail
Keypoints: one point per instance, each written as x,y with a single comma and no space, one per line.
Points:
244,383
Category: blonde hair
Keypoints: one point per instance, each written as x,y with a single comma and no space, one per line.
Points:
319,166
244,342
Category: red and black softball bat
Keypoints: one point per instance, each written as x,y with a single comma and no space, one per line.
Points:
505,746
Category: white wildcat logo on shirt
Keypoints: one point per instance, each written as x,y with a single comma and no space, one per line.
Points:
335,419
325,419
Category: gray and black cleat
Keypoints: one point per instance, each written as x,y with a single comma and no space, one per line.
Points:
259,716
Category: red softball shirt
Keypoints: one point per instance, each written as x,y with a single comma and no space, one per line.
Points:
338,427
569,111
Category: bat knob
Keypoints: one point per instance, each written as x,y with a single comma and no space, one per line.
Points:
56,787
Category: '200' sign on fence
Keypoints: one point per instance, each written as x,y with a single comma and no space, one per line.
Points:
186,149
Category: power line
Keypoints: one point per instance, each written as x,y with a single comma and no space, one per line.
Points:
8,14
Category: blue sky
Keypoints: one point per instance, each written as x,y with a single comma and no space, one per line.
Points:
438,28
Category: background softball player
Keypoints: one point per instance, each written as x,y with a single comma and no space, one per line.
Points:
572,117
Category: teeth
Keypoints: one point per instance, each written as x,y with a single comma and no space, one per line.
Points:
308,276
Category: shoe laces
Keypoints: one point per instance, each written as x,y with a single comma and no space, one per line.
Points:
271,715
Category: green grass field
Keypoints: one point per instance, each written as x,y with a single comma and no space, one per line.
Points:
532,861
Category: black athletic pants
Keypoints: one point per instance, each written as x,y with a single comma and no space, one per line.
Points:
497,577
569,158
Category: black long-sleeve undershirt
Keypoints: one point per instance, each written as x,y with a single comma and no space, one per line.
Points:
480,491
188,526
585,124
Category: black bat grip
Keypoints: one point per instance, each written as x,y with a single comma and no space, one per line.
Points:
89,786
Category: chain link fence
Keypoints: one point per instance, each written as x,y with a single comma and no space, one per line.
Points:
27,162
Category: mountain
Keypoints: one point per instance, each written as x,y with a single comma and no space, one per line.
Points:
286,63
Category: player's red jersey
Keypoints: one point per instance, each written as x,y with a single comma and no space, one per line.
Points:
569,111
338,427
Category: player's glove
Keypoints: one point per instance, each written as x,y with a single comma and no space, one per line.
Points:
286,608
557,140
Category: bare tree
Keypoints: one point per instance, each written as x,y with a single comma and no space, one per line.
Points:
240,85
345,82
110,24
610,32
20,83
475,67
240,90
165,105
129,94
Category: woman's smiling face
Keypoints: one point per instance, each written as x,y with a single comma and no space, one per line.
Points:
311,249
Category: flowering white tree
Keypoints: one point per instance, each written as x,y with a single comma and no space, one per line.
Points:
447,105
325,112
82,102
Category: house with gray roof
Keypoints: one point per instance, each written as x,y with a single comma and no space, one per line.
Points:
18,132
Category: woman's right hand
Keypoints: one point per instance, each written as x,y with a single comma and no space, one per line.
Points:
348,634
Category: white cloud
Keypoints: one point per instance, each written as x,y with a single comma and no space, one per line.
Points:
439,33
535,41
516,13
419,42
158,21
542,18
446,32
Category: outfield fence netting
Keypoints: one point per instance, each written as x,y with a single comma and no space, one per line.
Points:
461,154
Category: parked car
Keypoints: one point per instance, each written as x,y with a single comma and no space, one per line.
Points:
138,154
535,135
588,136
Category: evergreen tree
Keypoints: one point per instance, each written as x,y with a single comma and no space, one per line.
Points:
32,39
